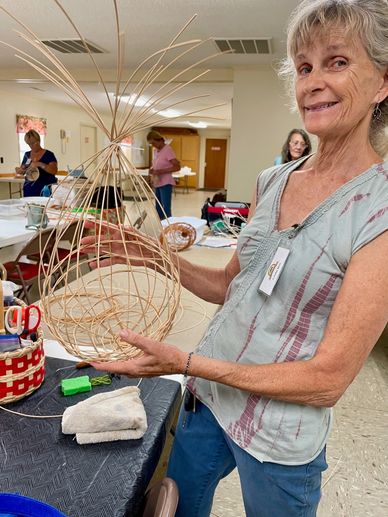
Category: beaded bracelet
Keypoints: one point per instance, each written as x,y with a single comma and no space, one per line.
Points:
186,372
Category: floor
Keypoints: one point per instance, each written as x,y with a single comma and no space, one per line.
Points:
356,482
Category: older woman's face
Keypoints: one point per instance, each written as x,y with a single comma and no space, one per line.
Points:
296,146
158,144
31,141
337,85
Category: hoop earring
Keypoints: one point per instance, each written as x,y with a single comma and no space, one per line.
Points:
377,112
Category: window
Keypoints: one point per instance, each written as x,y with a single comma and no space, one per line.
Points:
25,123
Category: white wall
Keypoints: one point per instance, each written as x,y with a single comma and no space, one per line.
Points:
261,121
211,133
58,117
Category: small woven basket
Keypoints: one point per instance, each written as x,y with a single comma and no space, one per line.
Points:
22,370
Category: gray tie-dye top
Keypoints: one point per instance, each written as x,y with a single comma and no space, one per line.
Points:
253,328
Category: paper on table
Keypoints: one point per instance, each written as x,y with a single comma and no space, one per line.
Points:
217,242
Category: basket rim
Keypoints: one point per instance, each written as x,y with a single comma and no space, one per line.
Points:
21,351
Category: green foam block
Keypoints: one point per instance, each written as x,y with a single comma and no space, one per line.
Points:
76,385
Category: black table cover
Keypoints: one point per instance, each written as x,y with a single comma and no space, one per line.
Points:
97,480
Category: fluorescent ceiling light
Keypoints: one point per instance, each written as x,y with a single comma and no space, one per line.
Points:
169,113
198,125
133,100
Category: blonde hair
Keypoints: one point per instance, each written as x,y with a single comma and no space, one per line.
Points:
154,135
32,134
364,18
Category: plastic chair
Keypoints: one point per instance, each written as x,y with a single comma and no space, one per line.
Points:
71,234
65,256
76,173
162,499
28,273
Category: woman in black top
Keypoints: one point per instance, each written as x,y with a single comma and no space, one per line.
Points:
37,158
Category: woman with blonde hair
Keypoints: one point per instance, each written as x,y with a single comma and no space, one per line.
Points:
303,298
39,161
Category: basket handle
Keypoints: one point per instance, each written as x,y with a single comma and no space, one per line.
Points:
2,329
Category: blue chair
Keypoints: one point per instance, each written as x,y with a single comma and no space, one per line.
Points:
76,173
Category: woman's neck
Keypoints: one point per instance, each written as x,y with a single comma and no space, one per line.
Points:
36,150
343,157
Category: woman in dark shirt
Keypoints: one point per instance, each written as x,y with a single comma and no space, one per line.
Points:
37,158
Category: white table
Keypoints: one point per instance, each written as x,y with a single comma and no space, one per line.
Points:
182,174
14,231
11,180
185,175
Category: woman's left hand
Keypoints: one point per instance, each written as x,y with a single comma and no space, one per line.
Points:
157,359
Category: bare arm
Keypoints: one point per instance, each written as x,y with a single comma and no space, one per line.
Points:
358,318
353,328
51,168
207,283
210,284
175,167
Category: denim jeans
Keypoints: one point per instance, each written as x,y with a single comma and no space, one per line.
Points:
203,454
163,195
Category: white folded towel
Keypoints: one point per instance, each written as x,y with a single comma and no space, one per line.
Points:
116,415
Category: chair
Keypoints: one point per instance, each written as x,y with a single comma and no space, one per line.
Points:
72,233
64,256
76,173
28,273
3,272
162,499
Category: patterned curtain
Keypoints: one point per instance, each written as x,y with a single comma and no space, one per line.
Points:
127,140
24,123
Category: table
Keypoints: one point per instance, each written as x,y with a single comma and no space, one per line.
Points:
185,175
176,175
99,480
11,180
13,231
14,235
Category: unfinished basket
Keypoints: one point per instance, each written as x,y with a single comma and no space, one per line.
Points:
22,370
179,236
87,313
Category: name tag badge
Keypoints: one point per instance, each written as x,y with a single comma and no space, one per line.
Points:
273,272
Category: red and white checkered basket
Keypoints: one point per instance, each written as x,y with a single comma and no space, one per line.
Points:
22,370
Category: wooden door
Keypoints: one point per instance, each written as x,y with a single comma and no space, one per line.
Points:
215,162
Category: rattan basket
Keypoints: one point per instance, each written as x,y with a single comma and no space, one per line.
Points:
22,370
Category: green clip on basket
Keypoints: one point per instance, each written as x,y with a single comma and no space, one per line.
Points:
21,370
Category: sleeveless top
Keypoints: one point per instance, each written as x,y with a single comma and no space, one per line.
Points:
288,325
34,188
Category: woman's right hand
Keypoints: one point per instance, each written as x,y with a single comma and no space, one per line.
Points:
19,171
119,245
